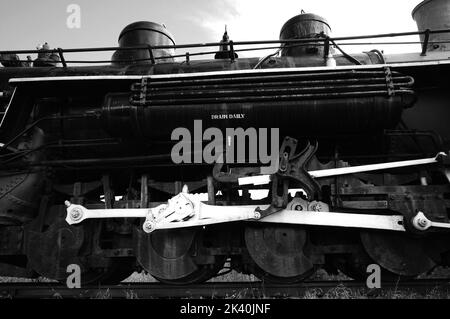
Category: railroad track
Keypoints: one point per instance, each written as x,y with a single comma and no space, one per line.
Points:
133,290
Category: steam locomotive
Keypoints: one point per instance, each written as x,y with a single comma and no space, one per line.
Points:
360,176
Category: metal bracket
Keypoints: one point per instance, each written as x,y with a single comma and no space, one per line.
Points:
279,201
61,56
425,42
232,53
294,166
326,49
152,57
178,208
389,81
143,93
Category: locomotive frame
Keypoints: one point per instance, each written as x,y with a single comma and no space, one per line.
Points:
86,176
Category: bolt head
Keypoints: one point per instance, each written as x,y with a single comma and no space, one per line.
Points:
76,214
422,222
148,226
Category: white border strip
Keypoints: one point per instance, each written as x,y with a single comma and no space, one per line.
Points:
76,78
231,72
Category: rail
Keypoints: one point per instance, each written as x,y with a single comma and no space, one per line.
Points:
320,41
255,289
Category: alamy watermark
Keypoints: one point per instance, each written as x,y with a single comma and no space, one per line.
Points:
231,146
74,278
73,20
374,279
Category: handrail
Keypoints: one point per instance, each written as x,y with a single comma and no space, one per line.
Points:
321,41
197,45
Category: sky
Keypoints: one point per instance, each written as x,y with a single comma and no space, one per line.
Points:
26,23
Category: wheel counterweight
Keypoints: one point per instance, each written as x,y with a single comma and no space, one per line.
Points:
168,256
399,253
278,253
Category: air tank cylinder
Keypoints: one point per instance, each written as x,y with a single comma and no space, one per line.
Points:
304,26
434,15
143,33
